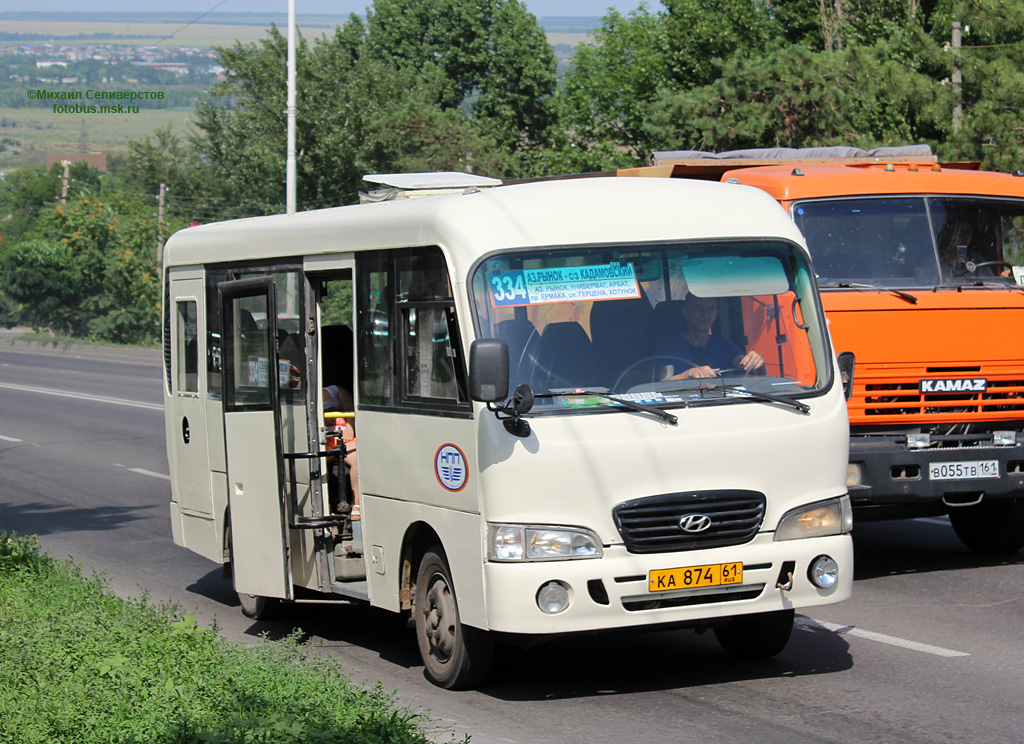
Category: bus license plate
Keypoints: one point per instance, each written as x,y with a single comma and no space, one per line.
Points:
963,470
693,577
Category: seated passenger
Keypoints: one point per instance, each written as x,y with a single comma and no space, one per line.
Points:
339,399
703,355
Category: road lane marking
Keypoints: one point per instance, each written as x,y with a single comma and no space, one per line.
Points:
83,396
870,635
9,439
150,473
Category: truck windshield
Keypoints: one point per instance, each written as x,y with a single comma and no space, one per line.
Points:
912,241
654,324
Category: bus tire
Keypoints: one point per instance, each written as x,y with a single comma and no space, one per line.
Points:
258,608
454,655
253,606
991,527
758,636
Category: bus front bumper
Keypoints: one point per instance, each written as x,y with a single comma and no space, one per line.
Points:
614,591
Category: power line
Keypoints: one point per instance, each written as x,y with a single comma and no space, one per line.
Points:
194,20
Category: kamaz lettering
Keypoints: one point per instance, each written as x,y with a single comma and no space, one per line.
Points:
977,385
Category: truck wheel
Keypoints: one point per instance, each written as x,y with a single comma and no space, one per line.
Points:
757,636
991,527
455,656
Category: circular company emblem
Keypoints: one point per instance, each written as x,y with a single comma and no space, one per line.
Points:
694,522
450,467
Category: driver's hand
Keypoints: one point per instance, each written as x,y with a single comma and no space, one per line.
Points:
752,361
694,373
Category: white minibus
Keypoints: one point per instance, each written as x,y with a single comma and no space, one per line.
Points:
575,406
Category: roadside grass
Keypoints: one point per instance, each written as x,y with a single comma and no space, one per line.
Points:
80,665
58,340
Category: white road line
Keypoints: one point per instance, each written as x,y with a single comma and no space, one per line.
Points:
9,439
880,637
150,473
82,396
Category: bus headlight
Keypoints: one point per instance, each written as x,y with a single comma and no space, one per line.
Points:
515,542
823,572
832,517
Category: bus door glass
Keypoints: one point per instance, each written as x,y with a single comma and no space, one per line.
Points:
252,437
188,430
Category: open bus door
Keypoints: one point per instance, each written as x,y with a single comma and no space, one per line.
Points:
252,439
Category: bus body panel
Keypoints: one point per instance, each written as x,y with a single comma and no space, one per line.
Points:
572,470
751,446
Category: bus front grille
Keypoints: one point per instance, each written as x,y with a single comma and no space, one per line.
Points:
689,521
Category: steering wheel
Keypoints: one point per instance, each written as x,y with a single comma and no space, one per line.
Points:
977,266
648,360
733,372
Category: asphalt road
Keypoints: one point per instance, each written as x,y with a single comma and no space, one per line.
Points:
928,650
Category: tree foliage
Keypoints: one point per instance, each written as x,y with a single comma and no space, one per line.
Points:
470,85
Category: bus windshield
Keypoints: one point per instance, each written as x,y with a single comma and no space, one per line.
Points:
677,324
912,241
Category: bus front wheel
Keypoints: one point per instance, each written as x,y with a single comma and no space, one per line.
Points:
455,656
991,527
758,636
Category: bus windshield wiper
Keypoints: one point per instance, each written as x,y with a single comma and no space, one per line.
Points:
899,293
659,412
743,392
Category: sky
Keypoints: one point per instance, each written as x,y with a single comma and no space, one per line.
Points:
341,7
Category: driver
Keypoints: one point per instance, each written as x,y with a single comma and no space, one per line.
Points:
705,354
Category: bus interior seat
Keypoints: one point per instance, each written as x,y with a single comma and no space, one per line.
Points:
520,334
337,361
562,358
668,320
622,333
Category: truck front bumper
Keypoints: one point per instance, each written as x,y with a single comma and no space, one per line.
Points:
888,478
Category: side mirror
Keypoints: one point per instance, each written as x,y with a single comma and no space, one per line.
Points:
488,370
846,363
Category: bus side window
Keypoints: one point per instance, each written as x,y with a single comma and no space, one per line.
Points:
187,343
373,308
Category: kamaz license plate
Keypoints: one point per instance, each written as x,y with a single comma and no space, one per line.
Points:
963,470
693,577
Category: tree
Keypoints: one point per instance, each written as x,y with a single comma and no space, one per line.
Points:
796,97
610,85
489,57
41,280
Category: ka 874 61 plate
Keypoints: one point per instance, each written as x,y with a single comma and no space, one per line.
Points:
694,577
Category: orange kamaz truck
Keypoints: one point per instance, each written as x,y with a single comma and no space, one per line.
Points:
914,259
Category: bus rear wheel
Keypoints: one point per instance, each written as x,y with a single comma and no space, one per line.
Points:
991,527
455,656
758,636
258,608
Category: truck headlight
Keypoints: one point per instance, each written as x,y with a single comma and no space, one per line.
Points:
831,517
516,542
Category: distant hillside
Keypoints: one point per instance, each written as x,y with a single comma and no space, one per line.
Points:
551,24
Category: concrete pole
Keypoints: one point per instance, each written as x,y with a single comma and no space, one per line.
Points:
160,224
958,93
64,182
290,112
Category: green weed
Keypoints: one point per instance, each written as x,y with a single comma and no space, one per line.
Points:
79,665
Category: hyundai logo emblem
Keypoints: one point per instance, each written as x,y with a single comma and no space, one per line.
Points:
694,522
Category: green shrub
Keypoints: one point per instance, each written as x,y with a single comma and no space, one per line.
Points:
80,665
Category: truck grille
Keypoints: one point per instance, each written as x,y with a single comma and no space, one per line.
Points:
903,398
652,524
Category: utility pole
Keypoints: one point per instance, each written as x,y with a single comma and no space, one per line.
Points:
160,224
958,107
290,114
64,182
